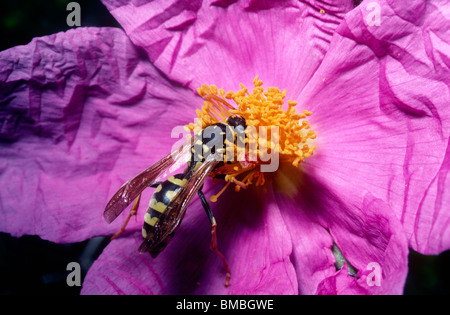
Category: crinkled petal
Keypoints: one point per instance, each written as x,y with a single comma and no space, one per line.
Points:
251,234
81,113
432,228
364,228
229,42
380,109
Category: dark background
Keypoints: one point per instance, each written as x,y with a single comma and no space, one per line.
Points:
29,265
21,20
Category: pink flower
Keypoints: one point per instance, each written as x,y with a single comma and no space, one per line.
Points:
86,110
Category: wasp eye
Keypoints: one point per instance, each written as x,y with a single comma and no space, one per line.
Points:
236,121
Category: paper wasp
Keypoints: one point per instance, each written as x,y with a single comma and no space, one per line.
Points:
171,198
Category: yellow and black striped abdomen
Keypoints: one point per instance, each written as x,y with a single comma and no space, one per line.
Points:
162,197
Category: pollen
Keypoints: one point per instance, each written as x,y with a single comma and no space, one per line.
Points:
215,108
274,128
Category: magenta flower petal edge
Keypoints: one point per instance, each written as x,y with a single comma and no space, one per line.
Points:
86,110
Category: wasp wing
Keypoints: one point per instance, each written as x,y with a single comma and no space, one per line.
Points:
168,223
134,187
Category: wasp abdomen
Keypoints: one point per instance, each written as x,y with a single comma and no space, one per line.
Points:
162,197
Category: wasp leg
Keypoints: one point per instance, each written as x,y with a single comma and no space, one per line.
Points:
133,211
212,220
155,184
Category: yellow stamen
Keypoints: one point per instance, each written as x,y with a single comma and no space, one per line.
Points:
214,197
260,108
265,109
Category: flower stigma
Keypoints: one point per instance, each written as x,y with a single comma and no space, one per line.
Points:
271,132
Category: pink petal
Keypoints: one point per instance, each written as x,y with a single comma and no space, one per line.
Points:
251,235
229,42
380,109
364,228
82,112
432,228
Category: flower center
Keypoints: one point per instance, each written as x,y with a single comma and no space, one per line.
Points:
271,131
